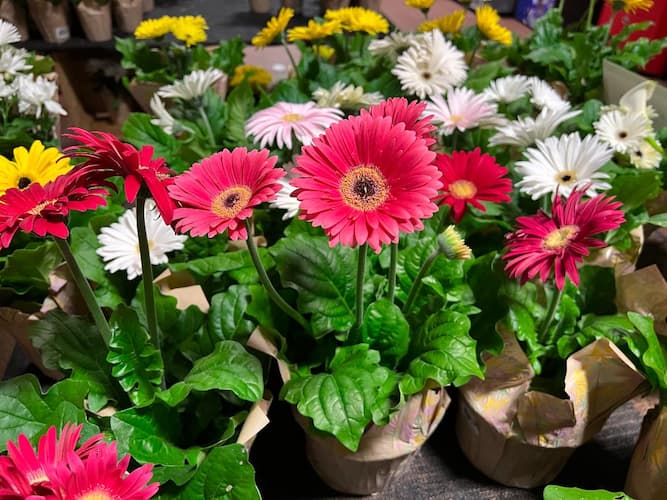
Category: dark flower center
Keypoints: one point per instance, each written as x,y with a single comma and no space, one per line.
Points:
623,134
364,188
24,182
566,177
231,201
426,75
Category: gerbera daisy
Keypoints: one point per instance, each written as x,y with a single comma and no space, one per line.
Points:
256,76
164,119
636,99
463,109
218,193
324,51
646,156
451,23
120,241
274,27
391,45
39,164
8,33
365,181
420,4
409,113
431,66
314,31
623,131
543,95
508,88
348,97
37,94
285,201
562,164
43,210
13,62
106,156
523,132
277,124
544,246
189,29
358,19
153,28
630,6
488,23
470,177
192,85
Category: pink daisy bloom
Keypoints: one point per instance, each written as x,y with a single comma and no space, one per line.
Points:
365,181
277,124
43,210
219,193
409,113
546,245
462,110
470,177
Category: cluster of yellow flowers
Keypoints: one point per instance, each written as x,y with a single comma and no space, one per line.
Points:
188,29
488,23
451,23
256,76
38,164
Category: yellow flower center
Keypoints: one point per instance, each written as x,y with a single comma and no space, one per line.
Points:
463,189
98,494
41,206
455,118
364,188
37,476
231,201
292,117
566,177
560,238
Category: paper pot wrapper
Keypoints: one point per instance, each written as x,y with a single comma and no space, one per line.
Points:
128,13
644,291
647,475
383,450
51,20
523,438
95,20
14,13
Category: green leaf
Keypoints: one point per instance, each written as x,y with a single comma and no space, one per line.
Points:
238,263
137,364
324,277
240,104
658,220
352,394
226,319
552,492
29,268
649,349
386,330
636,186
227,55
442,351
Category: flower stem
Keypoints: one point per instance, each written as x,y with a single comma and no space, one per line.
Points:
414,289
589,15
393,262
264,278
209,129
551,313
291,58
147,273
85,290
361,274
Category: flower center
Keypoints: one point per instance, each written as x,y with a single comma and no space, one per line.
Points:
622,134
560,238
292,117
364,188
462,189
566,177
455,118
24,182
37,210
231,201
426,75
37,476
97,494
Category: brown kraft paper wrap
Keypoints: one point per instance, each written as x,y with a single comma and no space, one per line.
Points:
51,20
647,475
523,438
14,13
147,5
128,14
95,20
644,291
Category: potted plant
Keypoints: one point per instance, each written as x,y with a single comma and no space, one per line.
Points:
95,18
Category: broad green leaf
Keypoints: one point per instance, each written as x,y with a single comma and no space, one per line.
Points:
552,492
226,319
29,268
240,105
636,186
386,330
227,55
652,355
658,220
238,264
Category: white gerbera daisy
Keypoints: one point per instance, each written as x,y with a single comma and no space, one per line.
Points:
13,62
392,45
37,94
285,201
462,110
525,131
343,96
120,242
646,156
193,85
623,131
544,96
563,163
164,120
432,65
6,89
508,88
8,33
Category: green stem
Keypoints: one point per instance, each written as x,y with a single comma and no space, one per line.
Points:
414,289
85,290
291,58
264,278
147,273
589,15
612,18
209,129
393,262
551,314
361,274
562,3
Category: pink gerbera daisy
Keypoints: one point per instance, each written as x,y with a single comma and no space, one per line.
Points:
365,180
555,245
462,110
409,113
277,124
470,177
219,193
42,209
107,156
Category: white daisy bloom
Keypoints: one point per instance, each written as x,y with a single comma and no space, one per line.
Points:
392,44
193,85
463,109
646,156
563,163
623,131
120,242
8,33
285,201
7,90
36,94
13,62
526,131
544,96
432,65
164,120
508,88
346,97
636,99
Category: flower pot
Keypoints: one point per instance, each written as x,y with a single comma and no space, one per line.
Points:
95,20
523,438
260,6
142,93
128,14
647,475
14,13
147,5
383,451
51,20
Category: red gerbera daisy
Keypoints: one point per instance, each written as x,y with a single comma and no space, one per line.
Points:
365,180
555,245
42,209
107,156
219,193
470,177
409,113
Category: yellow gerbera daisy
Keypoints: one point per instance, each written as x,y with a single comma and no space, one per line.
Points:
313,31
451,23
153,28
274,27
255,75
189,29
428,25
630,6
488,23
420,4
39,164
358,19
324,51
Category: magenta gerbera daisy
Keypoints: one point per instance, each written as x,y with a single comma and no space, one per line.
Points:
365,180
409,113
470,177
544,246
277,124
218,193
